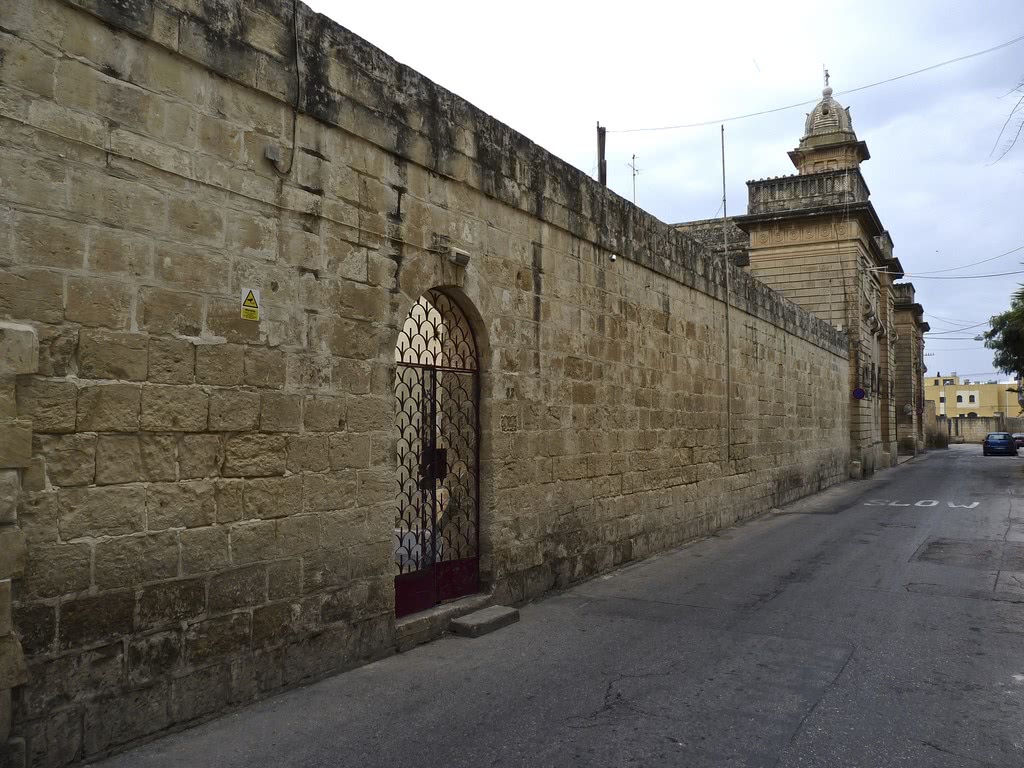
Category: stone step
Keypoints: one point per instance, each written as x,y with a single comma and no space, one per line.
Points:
484,621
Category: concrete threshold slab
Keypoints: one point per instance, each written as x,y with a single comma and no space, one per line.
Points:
420,628
485,621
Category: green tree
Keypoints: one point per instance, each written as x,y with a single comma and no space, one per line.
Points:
1006,338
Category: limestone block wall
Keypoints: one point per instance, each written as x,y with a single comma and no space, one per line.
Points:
822,263
207,501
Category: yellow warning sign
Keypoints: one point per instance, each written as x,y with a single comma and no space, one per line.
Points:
250,303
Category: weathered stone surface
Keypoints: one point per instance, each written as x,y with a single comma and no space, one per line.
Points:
254,456
234,410
201,692
229,500
334,490
265,367
70,459
132,458
325,414
171,361
152,656
307,453
349,451
13,669
204,549
19,349
171,602
128,716
272,497
12,552
109,511
238,588
89,620
96,302
109,408
221,636
58,569
54,740
32,293
50,404
220,364
284,579
112,355
36,627
130,560
280,412
16,446
173,409
171,312
201,456
180,505
6,627
57,347
57,682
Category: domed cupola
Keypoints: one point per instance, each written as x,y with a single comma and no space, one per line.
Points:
827,118
829,142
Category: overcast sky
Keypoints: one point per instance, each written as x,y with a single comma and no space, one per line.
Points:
552,69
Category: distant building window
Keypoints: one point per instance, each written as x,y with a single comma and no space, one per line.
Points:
972,415
936,382
942,399
947,381
959,398
970,398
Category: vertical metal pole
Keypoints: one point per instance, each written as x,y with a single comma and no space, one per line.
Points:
633,166
602,163
728,303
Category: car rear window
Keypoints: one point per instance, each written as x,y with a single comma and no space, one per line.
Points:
998,436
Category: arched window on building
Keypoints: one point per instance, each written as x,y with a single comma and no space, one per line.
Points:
972,415
970,398
959,398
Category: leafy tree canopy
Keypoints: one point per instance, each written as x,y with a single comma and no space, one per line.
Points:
1006,338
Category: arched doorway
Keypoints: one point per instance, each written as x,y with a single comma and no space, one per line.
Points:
437,391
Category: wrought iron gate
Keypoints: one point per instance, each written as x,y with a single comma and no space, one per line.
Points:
436,538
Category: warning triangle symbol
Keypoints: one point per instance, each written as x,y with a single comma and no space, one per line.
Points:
250,301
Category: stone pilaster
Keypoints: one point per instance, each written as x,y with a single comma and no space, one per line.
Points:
19,354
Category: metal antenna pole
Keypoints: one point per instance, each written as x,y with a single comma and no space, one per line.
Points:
636,172
602,164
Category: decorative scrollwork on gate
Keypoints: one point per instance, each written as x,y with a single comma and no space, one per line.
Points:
437,393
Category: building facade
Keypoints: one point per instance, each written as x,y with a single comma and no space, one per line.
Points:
910,369
816,238
961,398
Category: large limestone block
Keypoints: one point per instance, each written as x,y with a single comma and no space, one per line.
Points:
19,348
12,552
16,444
13,670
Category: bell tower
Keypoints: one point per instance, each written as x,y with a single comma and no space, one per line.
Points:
829,142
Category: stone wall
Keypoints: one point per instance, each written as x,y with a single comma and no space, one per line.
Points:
718,237
965,430
208,501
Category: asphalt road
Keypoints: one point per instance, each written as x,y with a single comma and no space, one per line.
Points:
871,625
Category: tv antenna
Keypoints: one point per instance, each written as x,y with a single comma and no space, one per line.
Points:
636,172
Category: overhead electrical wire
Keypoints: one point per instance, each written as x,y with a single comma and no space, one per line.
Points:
918,276
704,123
953,269
955,330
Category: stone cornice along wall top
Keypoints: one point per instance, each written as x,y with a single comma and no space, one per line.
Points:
349,83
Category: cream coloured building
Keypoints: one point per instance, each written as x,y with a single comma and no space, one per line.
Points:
960,397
